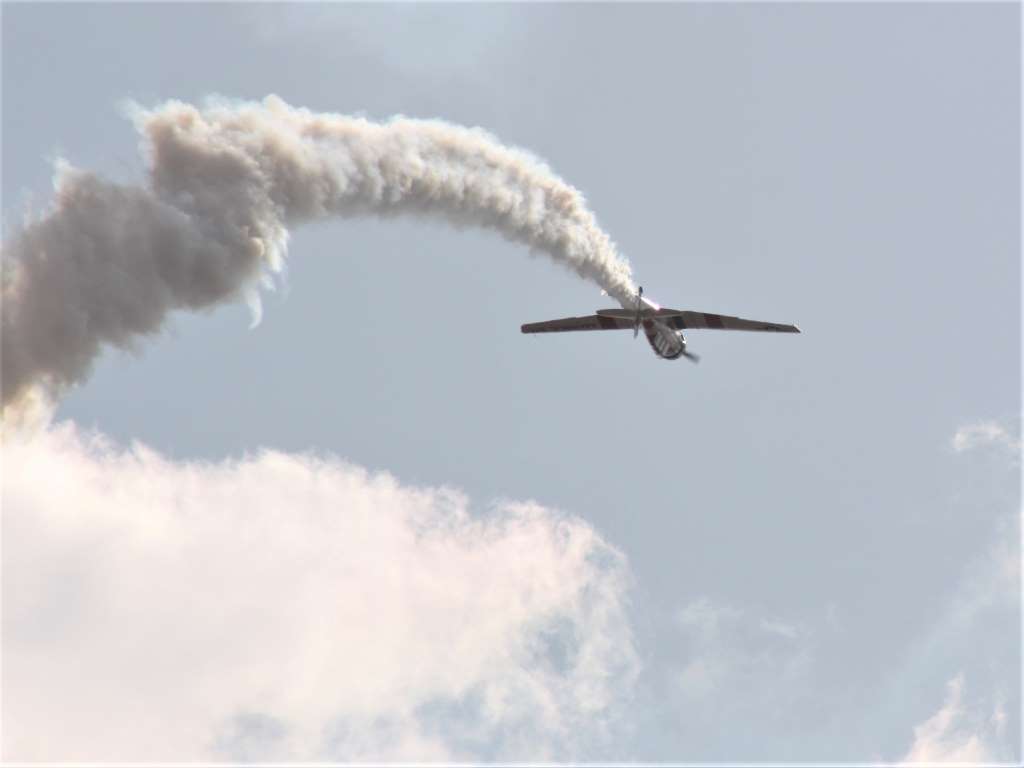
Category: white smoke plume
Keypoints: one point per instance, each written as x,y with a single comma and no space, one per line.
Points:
108,262
295,607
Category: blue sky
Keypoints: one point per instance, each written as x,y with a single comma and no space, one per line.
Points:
795,558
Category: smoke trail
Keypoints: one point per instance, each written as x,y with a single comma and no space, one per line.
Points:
109,261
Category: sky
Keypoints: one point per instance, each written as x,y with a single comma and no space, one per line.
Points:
382,524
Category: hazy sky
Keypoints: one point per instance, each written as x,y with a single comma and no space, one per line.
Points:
804,548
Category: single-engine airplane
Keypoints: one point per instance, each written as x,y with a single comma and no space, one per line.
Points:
663,327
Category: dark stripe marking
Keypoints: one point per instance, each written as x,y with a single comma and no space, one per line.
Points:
713,321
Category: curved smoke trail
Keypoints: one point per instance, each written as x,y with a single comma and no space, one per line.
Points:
109,262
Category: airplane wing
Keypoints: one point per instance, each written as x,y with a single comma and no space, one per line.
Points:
588,323
723,322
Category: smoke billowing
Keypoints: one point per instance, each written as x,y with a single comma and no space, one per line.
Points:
322,611
108,262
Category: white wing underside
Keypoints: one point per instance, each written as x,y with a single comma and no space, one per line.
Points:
690,319
587,323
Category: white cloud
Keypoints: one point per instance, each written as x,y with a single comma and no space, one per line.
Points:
781,628
705,618
294,607
978,633
986,434
955,735
726,645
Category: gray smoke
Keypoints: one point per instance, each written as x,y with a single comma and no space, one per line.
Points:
108,262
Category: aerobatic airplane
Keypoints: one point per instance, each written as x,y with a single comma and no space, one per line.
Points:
663,327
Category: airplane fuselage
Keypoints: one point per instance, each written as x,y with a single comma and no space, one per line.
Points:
667,342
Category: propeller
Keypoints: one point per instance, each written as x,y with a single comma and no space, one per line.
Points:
691,357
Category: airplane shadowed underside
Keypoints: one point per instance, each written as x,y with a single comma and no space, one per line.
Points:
663,327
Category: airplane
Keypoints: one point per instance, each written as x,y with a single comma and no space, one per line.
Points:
662,327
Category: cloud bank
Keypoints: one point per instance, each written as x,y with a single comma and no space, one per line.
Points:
956,735
108,262
295,607
976,642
